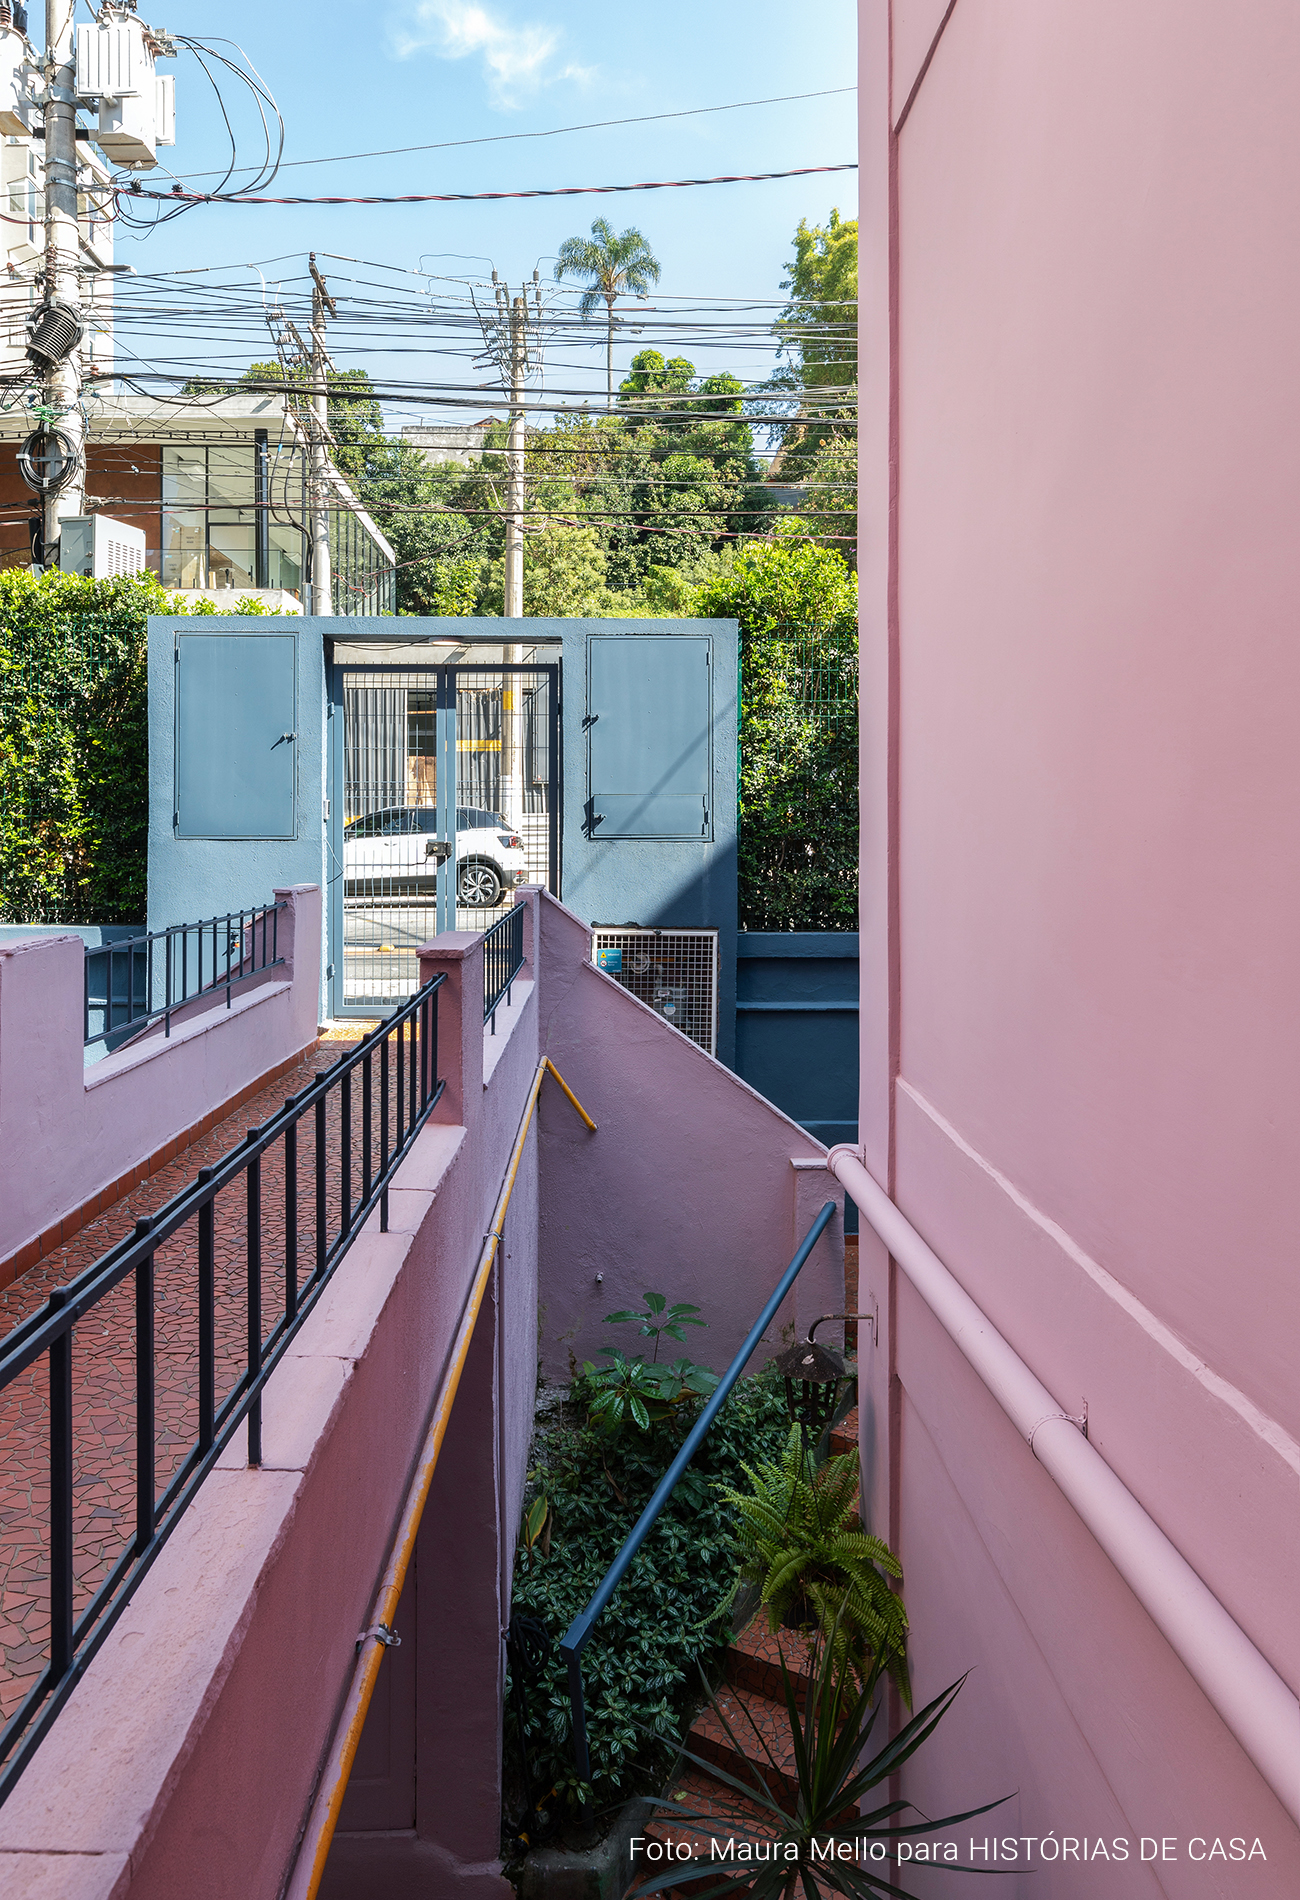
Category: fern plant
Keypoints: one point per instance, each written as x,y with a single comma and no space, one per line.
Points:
812,1570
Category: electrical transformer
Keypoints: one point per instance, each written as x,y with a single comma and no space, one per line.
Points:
137,106
18,77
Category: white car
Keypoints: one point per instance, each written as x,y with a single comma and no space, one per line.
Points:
396,853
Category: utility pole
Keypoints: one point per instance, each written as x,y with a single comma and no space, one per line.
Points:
322,592
63,381
514,590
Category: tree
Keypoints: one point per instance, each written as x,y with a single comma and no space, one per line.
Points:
798,849
610,266
818,335
564,573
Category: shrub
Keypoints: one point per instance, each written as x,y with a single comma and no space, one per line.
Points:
796,604
641,1667
74,743
816,1571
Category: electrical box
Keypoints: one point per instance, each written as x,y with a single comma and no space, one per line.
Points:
115,66
674,972
166,116
98,546
18,77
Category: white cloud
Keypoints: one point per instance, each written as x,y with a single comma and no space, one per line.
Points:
517,59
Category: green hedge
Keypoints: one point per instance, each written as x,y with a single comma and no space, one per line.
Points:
797,605
74,744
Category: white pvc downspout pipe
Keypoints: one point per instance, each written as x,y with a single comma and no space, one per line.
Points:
1257,1705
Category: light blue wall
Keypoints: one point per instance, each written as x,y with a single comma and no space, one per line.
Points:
191,878
664,882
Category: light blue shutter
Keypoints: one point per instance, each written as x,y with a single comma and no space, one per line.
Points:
236,735
649,708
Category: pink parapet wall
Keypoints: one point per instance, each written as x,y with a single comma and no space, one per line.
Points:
1081,922
69,1133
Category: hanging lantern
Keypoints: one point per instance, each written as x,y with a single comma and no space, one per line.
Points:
812,1375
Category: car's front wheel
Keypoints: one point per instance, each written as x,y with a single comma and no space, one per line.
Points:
479,885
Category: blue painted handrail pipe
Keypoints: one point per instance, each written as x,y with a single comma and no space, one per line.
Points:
579,1631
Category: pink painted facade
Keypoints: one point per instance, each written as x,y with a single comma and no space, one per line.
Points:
68,1132
1081,919
195,1739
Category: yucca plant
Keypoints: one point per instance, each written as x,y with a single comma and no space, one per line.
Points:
812,1570
795,1845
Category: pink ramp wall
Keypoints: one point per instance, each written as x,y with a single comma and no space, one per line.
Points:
191,1745
1081,919
695,1186
67,1132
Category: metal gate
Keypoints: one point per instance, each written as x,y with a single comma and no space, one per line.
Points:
409,859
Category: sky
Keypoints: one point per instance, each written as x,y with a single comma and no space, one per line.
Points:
359,80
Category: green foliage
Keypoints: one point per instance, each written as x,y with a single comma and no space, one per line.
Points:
631,1392
564,573
640,1667
831,509
818,331
812,1569
536,1518
656,1318
797,607
800,1834
74,752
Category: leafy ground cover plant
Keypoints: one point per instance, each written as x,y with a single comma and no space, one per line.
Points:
792,1846
658,1318
667,1620
812,1569
630,1391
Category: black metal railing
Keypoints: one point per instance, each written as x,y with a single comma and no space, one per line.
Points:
193,1297
138,979
503,958
578,1634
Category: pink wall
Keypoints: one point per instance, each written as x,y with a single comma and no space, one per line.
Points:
694,1187
1081,1063
68,1132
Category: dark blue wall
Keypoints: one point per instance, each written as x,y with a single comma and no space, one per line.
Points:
797,1027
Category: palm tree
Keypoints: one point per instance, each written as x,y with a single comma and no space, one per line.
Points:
610,265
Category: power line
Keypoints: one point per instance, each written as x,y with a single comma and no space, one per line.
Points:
135,190
553,132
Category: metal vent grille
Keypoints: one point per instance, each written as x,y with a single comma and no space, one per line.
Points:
675,972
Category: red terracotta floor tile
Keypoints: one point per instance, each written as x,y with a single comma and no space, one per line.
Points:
104,1362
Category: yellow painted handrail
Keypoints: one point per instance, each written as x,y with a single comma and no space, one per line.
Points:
323,1819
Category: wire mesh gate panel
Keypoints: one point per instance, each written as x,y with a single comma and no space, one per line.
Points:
675,972
396,845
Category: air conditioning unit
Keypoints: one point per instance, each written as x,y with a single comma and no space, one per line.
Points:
674,972
100,547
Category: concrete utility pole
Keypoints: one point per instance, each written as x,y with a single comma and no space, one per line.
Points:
514,591
322,592
63,382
